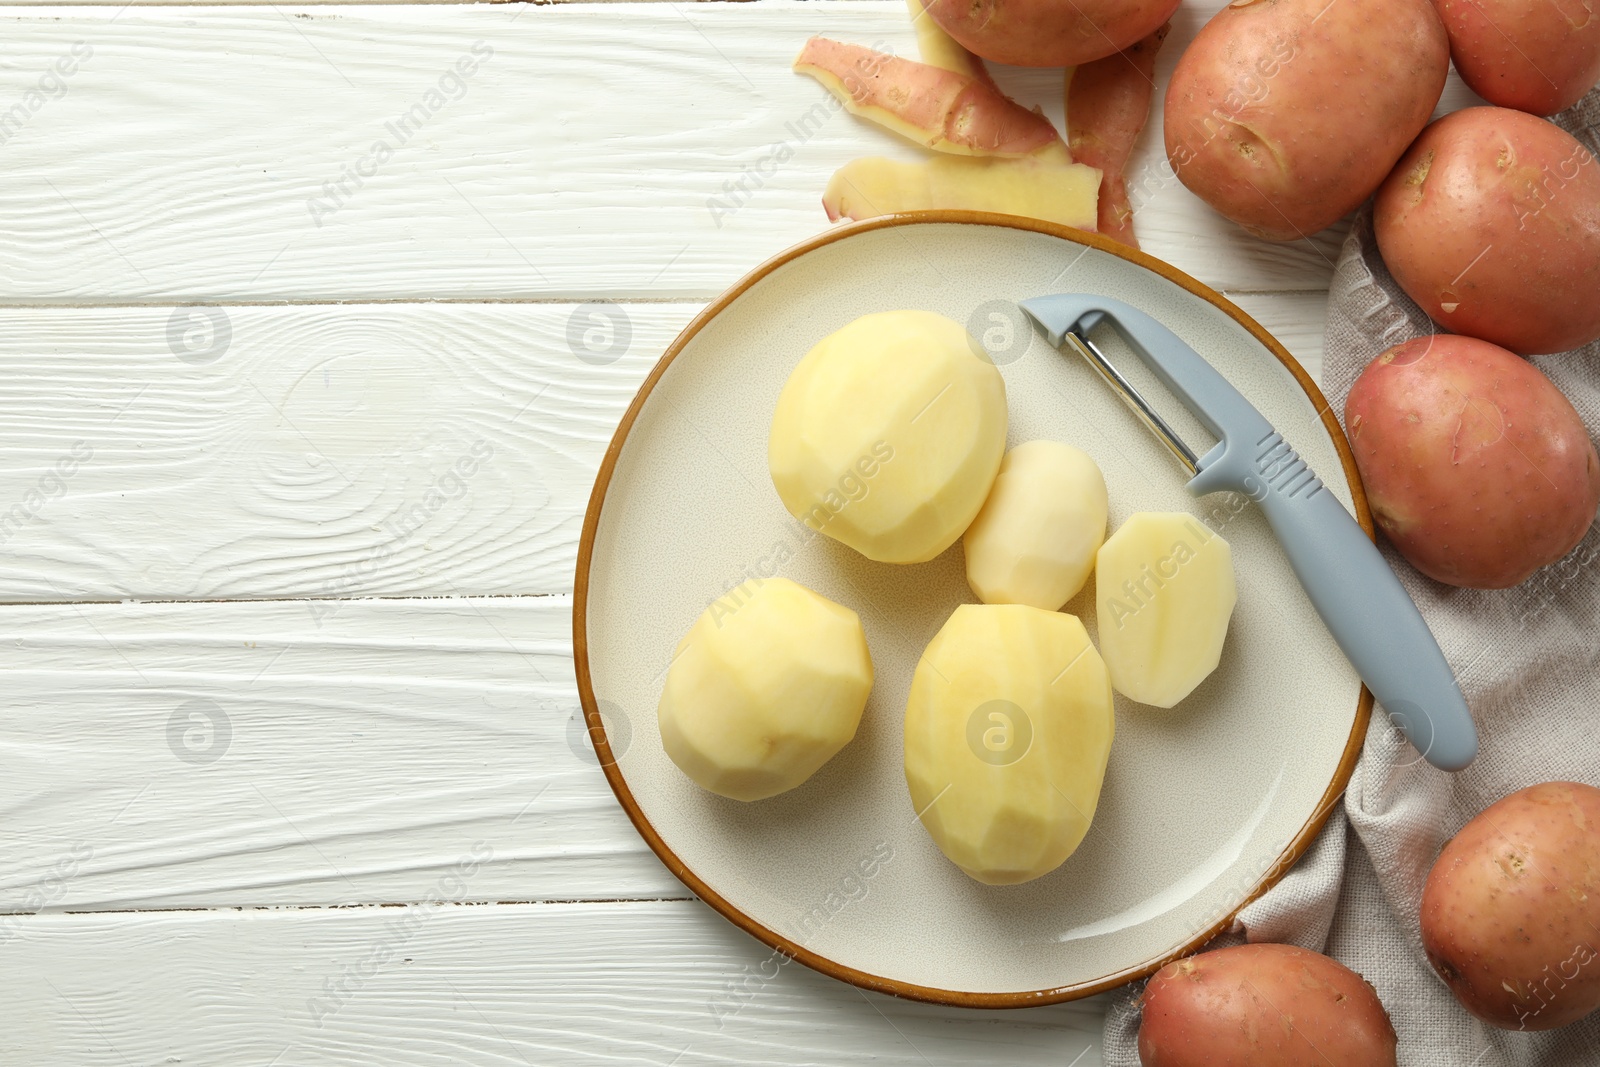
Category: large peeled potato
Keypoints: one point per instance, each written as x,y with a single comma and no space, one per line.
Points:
1164,592
1539,56
1008,728
1491,223
1263,1006
1286,114
888,435
768,684
1035,539
1477,468
1511,909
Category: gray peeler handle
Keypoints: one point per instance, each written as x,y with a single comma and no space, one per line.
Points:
1364,605
1368,611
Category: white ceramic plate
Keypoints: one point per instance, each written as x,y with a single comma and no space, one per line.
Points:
1204,806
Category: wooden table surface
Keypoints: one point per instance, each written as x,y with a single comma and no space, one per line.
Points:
314,325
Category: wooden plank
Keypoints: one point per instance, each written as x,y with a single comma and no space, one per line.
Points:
620,150
203,755
330,451
548,985
333,451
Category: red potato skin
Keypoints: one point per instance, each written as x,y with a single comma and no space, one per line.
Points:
1477,468
1538,56
1491,223
1048,33
1284,115
1108,103
952,111
1263,1006
1511,909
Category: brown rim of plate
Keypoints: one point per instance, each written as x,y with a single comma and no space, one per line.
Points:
776,941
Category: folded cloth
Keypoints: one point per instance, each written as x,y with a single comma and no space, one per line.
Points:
1528,660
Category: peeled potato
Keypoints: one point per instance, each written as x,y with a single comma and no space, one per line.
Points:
1035,540
768,684
1164,589
888,435
1008,728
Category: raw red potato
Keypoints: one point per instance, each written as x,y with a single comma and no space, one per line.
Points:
1511,909
1491,223
1108,102
1477,468
1539,56
1263,1006
937,108
1049,33
1284,115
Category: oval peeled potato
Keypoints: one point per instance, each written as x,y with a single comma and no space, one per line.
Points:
1284,115
1164,592
1035,539
1007,732
1263,1005
767,686
888,435
1511,909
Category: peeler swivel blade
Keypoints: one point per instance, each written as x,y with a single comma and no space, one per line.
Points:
1366,609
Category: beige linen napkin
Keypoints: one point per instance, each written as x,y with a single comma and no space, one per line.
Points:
1529,662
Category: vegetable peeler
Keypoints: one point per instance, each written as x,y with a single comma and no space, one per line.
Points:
1365,607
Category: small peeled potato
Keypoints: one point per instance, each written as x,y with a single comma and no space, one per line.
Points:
1165,591
1035,539
888,434
768,684
1008,729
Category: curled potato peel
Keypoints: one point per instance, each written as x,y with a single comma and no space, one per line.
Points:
946,110
1043,186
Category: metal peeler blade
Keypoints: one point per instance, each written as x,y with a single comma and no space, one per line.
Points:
1367,610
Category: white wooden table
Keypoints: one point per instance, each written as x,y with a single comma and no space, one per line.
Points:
296,434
